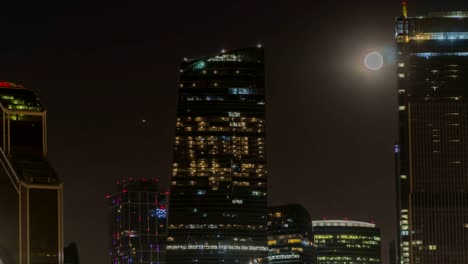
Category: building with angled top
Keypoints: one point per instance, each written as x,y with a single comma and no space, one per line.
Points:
290,238
218,201
31,193
346,242
432,156
138,222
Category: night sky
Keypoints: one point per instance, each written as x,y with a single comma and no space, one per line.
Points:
101,69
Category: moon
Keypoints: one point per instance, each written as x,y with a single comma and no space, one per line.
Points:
373,61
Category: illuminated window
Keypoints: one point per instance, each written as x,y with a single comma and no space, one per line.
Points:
297,249
294,241
225,57
240,91
237,201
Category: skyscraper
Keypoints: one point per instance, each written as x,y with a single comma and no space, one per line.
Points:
290,236
218,201
31,195
345,242
433,137
138,215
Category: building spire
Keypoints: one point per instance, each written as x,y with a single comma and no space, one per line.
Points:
405,9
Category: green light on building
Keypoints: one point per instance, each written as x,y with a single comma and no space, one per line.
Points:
199,65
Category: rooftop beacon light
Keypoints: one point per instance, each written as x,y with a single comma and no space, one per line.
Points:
405,9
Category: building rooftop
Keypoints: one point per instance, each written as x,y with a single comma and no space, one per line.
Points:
16,97
449,14
252,54
346,223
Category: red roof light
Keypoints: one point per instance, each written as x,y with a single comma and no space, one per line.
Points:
5,84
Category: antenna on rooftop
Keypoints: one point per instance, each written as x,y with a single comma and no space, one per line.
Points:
405,9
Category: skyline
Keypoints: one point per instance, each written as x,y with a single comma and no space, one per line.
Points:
96,134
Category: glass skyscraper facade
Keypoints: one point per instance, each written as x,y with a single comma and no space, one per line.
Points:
346,242
31,194
138,215
218,201
290,238
432,154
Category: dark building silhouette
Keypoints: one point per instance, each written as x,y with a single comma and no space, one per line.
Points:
138,215
31,193
71,254
290,238
345,242
392,253
432,154
3,257
218,203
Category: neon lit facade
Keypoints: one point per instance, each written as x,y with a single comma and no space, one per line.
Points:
138,222
218,204
290,238
432,161
31,193
345,242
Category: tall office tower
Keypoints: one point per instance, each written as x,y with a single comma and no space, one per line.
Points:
218,206
433,137
31,193
290,236
345,242
138,215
